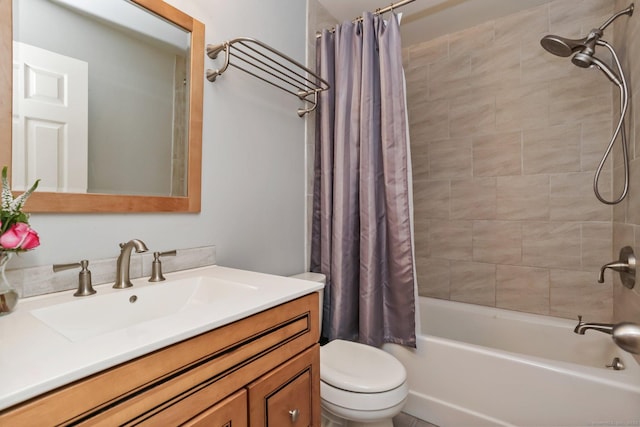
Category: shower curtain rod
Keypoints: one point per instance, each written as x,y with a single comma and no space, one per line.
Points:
378,11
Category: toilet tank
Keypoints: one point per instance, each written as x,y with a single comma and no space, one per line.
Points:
314,277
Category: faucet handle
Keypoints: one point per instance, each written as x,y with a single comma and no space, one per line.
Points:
625,265
84,277
156,266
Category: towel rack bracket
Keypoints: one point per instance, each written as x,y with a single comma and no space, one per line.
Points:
271,66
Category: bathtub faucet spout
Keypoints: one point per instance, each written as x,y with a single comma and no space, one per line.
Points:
626,335
582,327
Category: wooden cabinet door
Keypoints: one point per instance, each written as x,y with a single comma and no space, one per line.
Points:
231,412
288,396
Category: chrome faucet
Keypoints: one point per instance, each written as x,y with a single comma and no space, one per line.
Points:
626,335
124,262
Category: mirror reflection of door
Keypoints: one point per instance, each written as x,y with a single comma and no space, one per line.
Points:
50,120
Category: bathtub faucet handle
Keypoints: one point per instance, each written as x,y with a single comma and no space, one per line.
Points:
625,265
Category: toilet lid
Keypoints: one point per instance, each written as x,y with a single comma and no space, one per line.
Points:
359,368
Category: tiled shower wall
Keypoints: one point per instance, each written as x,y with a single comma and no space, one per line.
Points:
505,139
626,216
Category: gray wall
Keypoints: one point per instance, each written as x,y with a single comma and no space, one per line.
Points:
253,163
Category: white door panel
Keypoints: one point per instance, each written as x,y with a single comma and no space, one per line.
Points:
50,123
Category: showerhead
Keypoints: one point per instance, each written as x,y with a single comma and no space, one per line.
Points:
582,60
584,56
616,79
582,48
561,46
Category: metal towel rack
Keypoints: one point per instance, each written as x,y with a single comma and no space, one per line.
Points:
271,66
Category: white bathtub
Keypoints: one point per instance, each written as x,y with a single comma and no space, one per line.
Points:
482,366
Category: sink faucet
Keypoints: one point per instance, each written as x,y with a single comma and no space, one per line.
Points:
626,335
124,262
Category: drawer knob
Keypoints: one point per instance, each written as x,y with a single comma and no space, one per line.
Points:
294,415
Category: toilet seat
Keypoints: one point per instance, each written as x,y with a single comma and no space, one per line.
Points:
359,368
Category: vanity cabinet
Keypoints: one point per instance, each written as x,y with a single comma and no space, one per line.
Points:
262,370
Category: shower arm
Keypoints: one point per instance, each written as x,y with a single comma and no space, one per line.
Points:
621,82
593,38
627,11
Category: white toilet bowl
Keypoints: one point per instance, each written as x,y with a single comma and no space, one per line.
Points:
360,385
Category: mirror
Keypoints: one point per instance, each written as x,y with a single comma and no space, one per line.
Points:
141,153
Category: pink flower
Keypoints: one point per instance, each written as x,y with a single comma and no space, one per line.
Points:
20,236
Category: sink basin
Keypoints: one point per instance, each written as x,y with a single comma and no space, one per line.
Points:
121,309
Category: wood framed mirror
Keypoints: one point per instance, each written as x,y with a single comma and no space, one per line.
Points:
188,199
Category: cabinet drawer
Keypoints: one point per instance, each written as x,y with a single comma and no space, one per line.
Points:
289,395
231,412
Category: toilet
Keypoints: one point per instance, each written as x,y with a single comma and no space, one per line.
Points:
360,385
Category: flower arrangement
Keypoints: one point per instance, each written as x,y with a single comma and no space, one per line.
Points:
15,233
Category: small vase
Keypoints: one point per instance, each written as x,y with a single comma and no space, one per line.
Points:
8,295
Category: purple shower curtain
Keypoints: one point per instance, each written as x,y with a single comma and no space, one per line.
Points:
361,233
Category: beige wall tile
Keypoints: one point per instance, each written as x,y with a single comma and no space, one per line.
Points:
498,242
585,83
574,293
571,197
497,66
589,101
497,154
528,24
433,278
450,239
633,207
522,288
623,235
431,119
567,110
522,197
627,307
572,17
473,282
417,89
431,199
450,158
472,39
596,245
419,155
473,198
422,247
472,115
595,138
423,54
524,107
539,66
552,244
450,77
552,149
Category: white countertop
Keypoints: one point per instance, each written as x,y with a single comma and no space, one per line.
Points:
34,358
